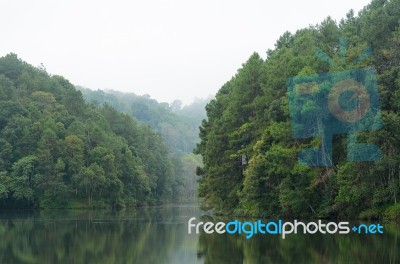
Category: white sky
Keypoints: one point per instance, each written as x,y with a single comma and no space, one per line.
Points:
176,49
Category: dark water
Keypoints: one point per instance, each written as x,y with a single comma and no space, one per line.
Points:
159,235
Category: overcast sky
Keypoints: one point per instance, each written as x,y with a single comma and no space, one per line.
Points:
175,49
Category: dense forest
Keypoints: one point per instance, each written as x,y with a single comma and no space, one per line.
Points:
60,152
177,124
250,156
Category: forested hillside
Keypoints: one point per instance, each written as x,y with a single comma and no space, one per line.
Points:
59,151
250,156
176,123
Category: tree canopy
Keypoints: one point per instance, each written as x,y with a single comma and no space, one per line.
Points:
250,156
59,151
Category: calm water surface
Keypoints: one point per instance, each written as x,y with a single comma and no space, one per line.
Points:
159,235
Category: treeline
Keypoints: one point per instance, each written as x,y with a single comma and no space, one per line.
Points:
250,156
58,151
176,123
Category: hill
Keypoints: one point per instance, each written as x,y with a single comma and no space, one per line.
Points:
178,125
60,152
250,155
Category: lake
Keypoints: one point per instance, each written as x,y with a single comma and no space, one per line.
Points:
159,235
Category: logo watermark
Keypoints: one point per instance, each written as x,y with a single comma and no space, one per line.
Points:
281,228
326,104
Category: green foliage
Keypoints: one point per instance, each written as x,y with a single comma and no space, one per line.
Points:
370,214
250,157
178,126
58,151
392,212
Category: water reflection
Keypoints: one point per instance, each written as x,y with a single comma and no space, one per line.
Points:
159,235
300,248
150,235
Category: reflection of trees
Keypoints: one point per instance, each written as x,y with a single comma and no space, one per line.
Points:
215,248
300,248
148,236
159,235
